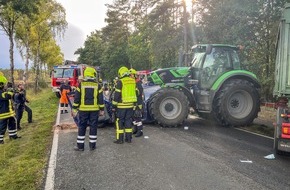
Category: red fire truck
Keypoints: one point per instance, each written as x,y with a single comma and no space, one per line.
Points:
70,71
143,75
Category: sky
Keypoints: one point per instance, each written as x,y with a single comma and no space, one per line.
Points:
83,17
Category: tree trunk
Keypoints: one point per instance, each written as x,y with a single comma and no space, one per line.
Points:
25,75
11,51
36,86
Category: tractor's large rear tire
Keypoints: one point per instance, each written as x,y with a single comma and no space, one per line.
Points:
169,107
237,103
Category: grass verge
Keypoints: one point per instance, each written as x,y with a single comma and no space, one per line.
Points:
264,125
23,161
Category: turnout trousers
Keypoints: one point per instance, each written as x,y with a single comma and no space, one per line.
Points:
124,124
11,124
87,118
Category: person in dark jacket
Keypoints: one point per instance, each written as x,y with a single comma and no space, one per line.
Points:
137,116
19,104
89,104
7,114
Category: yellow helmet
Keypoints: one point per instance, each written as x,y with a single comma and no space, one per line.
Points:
123,71
90,72
133,71
3,79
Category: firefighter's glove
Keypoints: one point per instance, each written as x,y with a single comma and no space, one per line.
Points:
74,112
140,107
101,112
138,113
114,107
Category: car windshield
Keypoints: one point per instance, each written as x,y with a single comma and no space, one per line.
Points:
63,73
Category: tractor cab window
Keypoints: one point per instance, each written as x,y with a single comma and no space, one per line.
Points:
215,64
236,60
197,60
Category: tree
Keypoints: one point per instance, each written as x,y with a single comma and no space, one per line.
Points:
10,12
50,23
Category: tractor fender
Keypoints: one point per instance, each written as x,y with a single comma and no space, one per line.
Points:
185,90
234,74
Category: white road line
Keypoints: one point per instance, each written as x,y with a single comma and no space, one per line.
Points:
254,133
49,184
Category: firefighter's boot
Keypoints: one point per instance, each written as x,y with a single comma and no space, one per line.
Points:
128,137
80,147
120,140
134,128
92,146
14,137
139,131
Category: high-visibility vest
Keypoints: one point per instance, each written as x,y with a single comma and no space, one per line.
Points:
128,90
89,96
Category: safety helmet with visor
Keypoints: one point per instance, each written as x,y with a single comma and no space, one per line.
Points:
123,71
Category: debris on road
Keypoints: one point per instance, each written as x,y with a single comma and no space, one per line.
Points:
146,137
246,161
270,157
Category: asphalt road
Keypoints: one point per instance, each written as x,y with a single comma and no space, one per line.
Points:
203,157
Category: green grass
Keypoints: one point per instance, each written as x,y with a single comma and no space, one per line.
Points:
23,161
260,129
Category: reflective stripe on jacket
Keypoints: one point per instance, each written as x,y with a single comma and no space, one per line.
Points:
125,93
88,96
6,109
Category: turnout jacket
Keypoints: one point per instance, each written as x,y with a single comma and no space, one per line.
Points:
125,95
6,108
89,96
139,92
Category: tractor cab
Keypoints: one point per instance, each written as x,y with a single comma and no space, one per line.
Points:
211,61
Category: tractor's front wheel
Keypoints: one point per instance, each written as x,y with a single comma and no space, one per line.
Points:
237,103
169,107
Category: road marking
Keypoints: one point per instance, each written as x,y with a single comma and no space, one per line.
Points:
49,184
254,133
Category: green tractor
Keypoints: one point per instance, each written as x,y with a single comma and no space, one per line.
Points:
214,86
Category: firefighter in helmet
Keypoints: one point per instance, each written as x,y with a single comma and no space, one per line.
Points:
124,99
137,116
7,114
90,104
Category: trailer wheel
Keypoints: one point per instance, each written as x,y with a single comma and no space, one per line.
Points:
169,107
237,103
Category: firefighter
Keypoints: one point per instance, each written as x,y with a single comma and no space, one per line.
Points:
65,88
137,116
19,104
7,114
124,99
89,103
